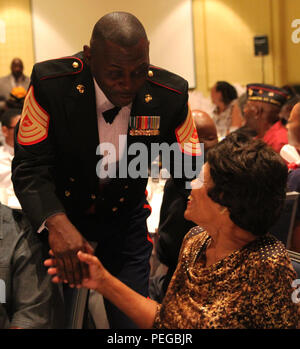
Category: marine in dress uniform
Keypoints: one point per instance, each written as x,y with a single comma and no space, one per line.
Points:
54,169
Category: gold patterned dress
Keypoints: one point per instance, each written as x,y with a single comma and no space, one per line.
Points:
250,288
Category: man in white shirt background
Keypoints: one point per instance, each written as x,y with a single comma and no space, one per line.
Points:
9,121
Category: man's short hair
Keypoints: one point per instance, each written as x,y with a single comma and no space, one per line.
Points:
121,28
8,115
227,91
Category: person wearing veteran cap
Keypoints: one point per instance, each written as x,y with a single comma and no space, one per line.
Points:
74,104
261,112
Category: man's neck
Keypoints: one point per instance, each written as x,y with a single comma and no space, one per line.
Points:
264,127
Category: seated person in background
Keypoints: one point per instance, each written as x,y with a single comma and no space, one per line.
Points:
293,127
231,273
223,96
237,108
173,226
32,301
206,129
286,109
16,98
9,121
291,90
15,79
238,112
261,111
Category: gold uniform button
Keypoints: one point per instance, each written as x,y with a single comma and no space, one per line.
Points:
150,73
80,88
75,65
148,98
122,199
114,209
93,196
67,193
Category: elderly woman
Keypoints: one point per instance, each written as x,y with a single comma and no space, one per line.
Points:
231,273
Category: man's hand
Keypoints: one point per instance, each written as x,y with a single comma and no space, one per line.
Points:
98,275
65,241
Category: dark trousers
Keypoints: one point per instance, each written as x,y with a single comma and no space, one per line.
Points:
124,248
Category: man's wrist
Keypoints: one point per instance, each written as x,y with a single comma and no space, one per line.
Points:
57,218
43,226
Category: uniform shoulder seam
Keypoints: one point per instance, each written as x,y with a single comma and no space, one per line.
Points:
46,70
165,79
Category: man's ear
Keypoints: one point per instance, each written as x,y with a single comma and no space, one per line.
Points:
257,110
4,131
87,53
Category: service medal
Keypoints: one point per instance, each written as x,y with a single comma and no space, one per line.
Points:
144,125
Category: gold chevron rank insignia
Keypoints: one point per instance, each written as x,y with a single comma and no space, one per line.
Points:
187,137
34,121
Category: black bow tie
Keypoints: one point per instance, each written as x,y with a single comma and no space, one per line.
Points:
109,115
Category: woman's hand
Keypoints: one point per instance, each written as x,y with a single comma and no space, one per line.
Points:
97,273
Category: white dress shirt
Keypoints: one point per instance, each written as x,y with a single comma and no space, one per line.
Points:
7,194
111,145
108,135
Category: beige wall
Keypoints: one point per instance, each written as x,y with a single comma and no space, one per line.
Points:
16,15
223,37
224,32
168,24
291,58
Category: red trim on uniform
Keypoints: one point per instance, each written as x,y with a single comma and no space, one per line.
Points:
148,207
149,239
267,89
189,124
194,136
71,73
154,66
169,88
35,142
